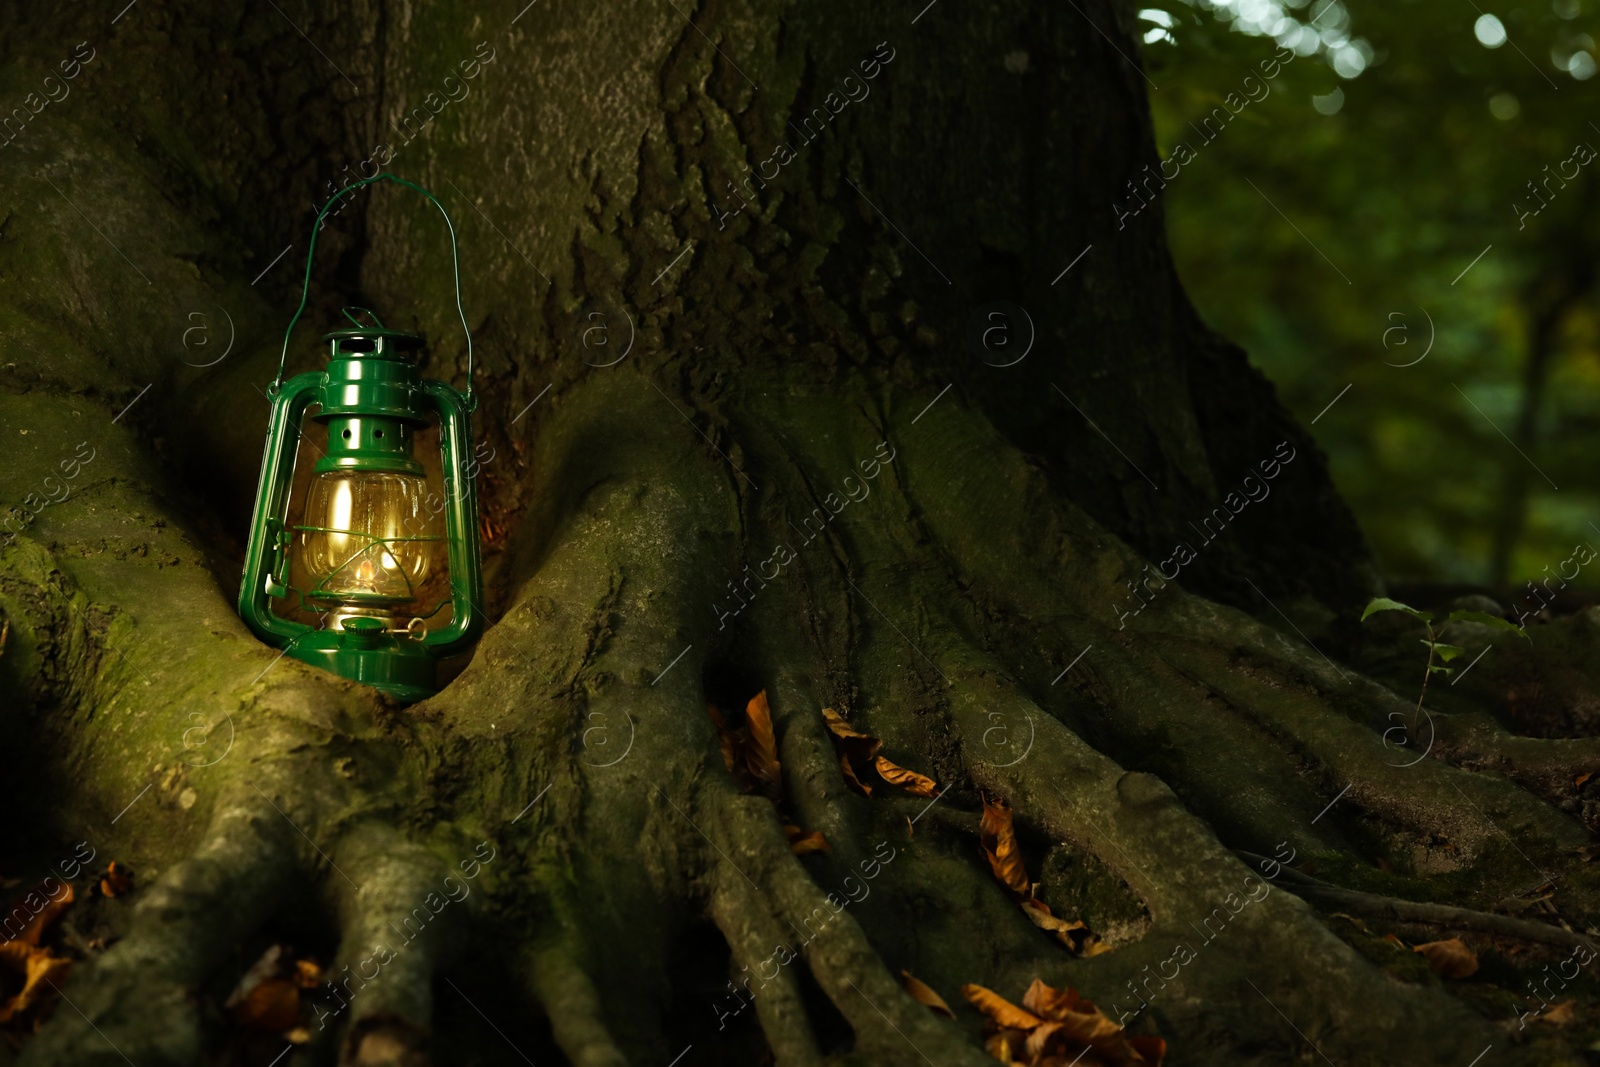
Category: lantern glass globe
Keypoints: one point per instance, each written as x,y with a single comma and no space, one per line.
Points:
368,539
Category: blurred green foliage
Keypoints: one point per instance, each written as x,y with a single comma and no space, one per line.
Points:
1412,182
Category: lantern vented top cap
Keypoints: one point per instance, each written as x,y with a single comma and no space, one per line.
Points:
372,343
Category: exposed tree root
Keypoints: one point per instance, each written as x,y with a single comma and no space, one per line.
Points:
836,948
183,926
576,1014
1224,913
760,943
399,912
1476,738
1377,906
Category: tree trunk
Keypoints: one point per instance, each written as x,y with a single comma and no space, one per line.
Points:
683,385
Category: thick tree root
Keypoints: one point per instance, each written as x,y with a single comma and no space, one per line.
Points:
1202,898
759,942
399,911
1475,738
1377,906
576,1013
887,1022
184,925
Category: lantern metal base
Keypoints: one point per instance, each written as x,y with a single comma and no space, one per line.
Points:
396,664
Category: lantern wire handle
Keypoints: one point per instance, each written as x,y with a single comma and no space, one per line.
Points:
305,290
358,322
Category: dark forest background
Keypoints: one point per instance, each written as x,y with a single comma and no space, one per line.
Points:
1406,209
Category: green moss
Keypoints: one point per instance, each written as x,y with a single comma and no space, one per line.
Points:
1078,885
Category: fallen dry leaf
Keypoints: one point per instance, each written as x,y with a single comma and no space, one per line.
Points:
35,973
1449,959
272,1005
1559,1014
999,840
923,994
31,972
841,730
268,995
850,778
919,785
1000,848
1007,1045
852,747
307,975
1058,1026
750,750
761,754
801,842
116,881
45,908
1580,779
862,765
1074,935
1003,1013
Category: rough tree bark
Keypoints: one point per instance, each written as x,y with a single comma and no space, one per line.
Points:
772,352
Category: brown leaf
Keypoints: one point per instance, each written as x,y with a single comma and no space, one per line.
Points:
1077,1014
999,842
761,754
44,908
1075,935
850,778
1040,1043
1003,1013
923,994
750,750
1007,1045
843,731
307,975
1559,1014
919,785
1072,1030
117,880
272,1005
40,971
854,749
1580,779
1449,959
801,842
862,766
1151,1050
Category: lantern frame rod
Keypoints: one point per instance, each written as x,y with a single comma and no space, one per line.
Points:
305,289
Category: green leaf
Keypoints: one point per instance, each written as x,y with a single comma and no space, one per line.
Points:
1486,619
1383,603
1441,670
1446,652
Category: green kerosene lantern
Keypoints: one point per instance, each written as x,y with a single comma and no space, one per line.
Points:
361,554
